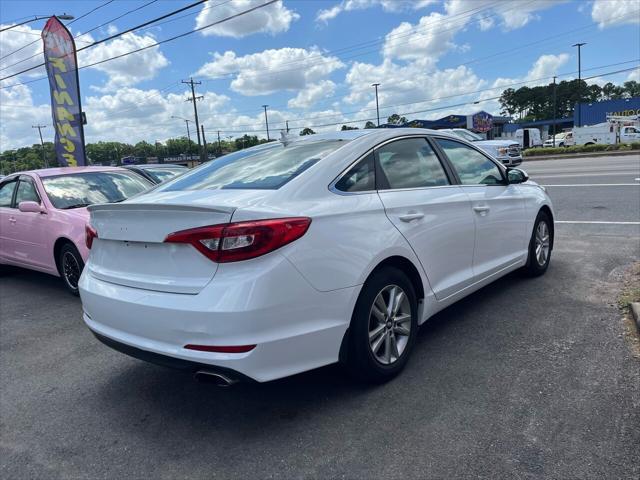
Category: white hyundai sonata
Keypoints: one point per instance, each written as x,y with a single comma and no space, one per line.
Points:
296,254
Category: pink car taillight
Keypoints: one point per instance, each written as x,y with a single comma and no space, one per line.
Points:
89,234
232,242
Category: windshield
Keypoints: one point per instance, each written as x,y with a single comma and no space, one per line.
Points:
467,135
82,189
162,174
266,167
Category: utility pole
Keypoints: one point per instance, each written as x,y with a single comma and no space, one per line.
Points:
579,45
219,144
195,110
204,143
186,121
555,85
287,122
266,120
376,85
44,155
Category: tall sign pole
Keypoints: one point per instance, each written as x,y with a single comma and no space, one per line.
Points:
376,85
66,110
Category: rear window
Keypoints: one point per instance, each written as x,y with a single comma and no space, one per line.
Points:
83,189
266,167
161,174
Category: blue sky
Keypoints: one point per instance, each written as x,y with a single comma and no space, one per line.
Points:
312,61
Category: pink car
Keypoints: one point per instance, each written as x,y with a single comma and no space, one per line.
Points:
43,215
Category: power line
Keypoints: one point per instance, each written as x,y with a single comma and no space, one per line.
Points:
423,101
72,21
75,37
155,44
111,37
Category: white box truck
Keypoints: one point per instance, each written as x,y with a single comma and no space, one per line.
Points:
616,129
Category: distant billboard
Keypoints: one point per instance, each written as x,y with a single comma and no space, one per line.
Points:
62,69
480,122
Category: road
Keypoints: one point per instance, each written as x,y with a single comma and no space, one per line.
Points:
527,378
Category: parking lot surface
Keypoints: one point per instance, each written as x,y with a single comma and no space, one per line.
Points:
527,378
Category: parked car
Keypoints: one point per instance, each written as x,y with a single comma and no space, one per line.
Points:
158,173
297,254
559,140
506,151
43,215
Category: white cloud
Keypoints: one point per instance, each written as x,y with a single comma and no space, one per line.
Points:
18,114
426,41
271,70
17,38
312,94
274,18
634,76
523,13
128,70
615,12
327,14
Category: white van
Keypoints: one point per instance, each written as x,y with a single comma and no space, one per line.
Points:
529,137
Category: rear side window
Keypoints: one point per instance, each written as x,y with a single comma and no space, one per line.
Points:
472,167
410,163
267,167
26,192
6,193
361,177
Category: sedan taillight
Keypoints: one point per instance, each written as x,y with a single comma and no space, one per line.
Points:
89,234
232,242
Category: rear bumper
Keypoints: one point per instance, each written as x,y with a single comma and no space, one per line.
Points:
265,302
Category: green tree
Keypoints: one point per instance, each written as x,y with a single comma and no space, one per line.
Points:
369,124
307,131
396,119
347,127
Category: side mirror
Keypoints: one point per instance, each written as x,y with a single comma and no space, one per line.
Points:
33,207
515,175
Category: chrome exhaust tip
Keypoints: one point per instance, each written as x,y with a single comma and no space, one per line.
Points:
214,378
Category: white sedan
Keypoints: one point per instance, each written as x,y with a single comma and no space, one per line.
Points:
292,255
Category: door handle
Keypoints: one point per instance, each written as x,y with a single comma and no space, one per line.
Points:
481,209
411,216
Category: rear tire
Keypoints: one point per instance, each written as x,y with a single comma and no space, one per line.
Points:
540,246
70,265
383,327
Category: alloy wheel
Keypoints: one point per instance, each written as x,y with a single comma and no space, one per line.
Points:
542,243
389,324
71,269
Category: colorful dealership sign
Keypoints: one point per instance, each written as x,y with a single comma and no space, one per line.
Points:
480,122
62,69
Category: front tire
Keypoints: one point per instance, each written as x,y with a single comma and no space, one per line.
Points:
383,327
540,246
70,265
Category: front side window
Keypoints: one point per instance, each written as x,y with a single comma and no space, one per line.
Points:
266,167
26,192
361,178
409,163
472,167
83,189
6,193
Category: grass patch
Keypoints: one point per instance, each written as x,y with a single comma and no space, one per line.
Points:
581,149
631,289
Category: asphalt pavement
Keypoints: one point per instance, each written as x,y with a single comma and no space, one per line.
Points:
527,378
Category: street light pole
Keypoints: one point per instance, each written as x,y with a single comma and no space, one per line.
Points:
376,85
64,16
555,85
186,121
44,155
266,120
579,45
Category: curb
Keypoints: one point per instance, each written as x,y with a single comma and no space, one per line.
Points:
635,312
569,156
